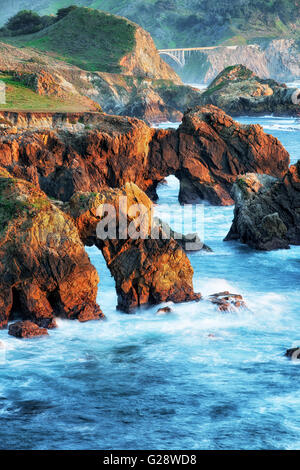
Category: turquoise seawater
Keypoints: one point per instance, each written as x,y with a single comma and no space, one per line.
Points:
193,379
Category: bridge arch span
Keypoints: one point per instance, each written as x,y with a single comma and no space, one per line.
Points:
173,56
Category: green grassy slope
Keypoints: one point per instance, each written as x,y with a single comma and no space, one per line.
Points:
22,98
178,22
90,39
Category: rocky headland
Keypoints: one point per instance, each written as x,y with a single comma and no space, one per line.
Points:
44,269
237,90
127,77
54,179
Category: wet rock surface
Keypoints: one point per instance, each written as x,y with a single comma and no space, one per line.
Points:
214,149
164,311
26,329
293,353
226,302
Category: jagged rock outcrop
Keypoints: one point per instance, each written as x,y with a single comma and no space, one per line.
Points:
237,90
206,153
44,270
106,152
42,82
148,105
189,242
214,149
149,99
150,269
267,210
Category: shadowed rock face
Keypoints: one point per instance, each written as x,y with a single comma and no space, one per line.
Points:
44,270
206,153
145,270
266,215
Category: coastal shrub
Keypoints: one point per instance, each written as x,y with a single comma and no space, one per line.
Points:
62,12
24,22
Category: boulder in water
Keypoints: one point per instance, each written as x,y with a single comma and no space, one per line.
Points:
164,310
293,353
26,329
226,302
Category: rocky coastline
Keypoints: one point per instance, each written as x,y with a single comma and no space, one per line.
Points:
98,151
57,170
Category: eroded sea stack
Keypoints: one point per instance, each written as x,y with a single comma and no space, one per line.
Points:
151,269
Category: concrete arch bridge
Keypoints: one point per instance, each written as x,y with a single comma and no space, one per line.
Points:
179,54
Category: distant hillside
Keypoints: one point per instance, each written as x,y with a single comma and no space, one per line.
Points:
178,23
87,38
82,58
92,40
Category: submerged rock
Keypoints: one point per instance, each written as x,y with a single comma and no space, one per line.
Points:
26,329
146,270
266,214
44,270
237,90
164,310
226,301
